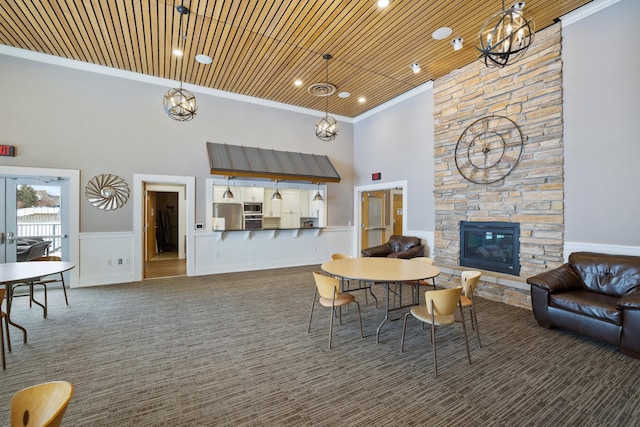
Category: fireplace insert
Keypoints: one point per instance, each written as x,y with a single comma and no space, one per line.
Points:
493,246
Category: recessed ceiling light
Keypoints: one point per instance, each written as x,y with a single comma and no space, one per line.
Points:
383,3
177,52
298,82
344,95
415,67
362,99
442,33
204,59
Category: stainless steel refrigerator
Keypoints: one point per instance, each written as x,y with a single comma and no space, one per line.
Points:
232,214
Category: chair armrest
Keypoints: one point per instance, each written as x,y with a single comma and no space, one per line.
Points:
561,279
629,302
377,251
413,252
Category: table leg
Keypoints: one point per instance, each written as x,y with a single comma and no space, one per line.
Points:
44,307
9,293
386,315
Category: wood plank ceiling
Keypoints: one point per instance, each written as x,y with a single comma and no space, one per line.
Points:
260,47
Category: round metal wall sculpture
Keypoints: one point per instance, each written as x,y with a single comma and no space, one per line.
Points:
107,192
489,149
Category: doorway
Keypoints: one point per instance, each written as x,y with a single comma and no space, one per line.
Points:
164,228
379,210
162,246
39,215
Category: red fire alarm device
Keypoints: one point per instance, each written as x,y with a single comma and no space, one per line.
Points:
376,176
7,150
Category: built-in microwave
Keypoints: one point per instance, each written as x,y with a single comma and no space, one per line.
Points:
253,208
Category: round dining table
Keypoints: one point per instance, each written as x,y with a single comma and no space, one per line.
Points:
383,271
27,272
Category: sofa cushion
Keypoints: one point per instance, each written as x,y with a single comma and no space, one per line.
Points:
614,275
403,243
588,303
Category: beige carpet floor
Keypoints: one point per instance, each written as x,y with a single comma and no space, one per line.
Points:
233,350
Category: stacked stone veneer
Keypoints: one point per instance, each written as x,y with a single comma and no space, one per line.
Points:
529,93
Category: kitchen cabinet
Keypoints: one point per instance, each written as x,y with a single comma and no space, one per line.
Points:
219,190
252,194
290,214
271,208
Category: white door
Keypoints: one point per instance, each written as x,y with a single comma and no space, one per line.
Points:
33,217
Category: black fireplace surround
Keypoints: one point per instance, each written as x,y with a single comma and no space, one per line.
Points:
492,246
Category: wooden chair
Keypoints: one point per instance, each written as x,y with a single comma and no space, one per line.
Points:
329,289
439,310
469,280
41,405
361,285
3,320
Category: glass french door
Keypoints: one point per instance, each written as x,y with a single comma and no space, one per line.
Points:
33,218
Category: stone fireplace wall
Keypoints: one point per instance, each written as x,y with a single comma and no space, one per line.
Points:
530,94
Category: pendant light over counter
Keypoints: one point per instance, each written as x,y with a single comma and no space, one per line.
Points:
227,195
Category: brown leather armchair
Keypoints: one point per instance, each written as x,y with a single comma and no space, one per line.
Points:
397,247
597,295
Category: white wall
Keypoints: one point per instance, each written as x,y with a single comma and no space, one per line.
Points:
602,124
398,142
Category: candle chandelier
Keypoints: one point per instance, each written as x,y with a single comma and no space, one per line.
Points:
179,103
327,126
505,37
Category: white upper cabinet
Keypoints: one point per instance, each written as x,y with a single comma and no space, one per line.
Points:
252,194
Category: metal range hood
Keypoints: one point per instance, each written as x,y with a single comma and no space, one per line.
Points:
252,162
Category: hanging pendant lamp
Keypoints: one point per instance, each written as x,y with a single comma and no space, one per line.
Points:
505,37
327,127
276,194
318,196
227,195
179,103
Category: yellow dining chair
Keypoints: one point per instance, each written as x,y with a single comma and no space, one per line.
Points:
3,320
329,289
360,283
469,280
41,405
439,310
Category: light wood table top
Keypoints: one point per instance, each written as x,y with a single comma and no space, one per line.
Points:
376,269
24,271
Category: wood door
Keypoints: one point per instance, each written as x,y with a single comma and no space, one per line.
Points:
375,206
150,226
397,214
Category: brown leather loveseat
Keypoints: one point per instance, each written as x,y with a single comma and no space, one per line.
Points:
597,295
397,247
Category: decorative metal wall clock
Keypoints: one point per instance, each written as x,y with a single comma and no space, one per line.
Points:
489,149
107,192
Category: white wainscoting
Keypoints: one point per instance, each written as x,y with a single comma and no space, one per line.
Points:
570,247
218,252
99,258
214,252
